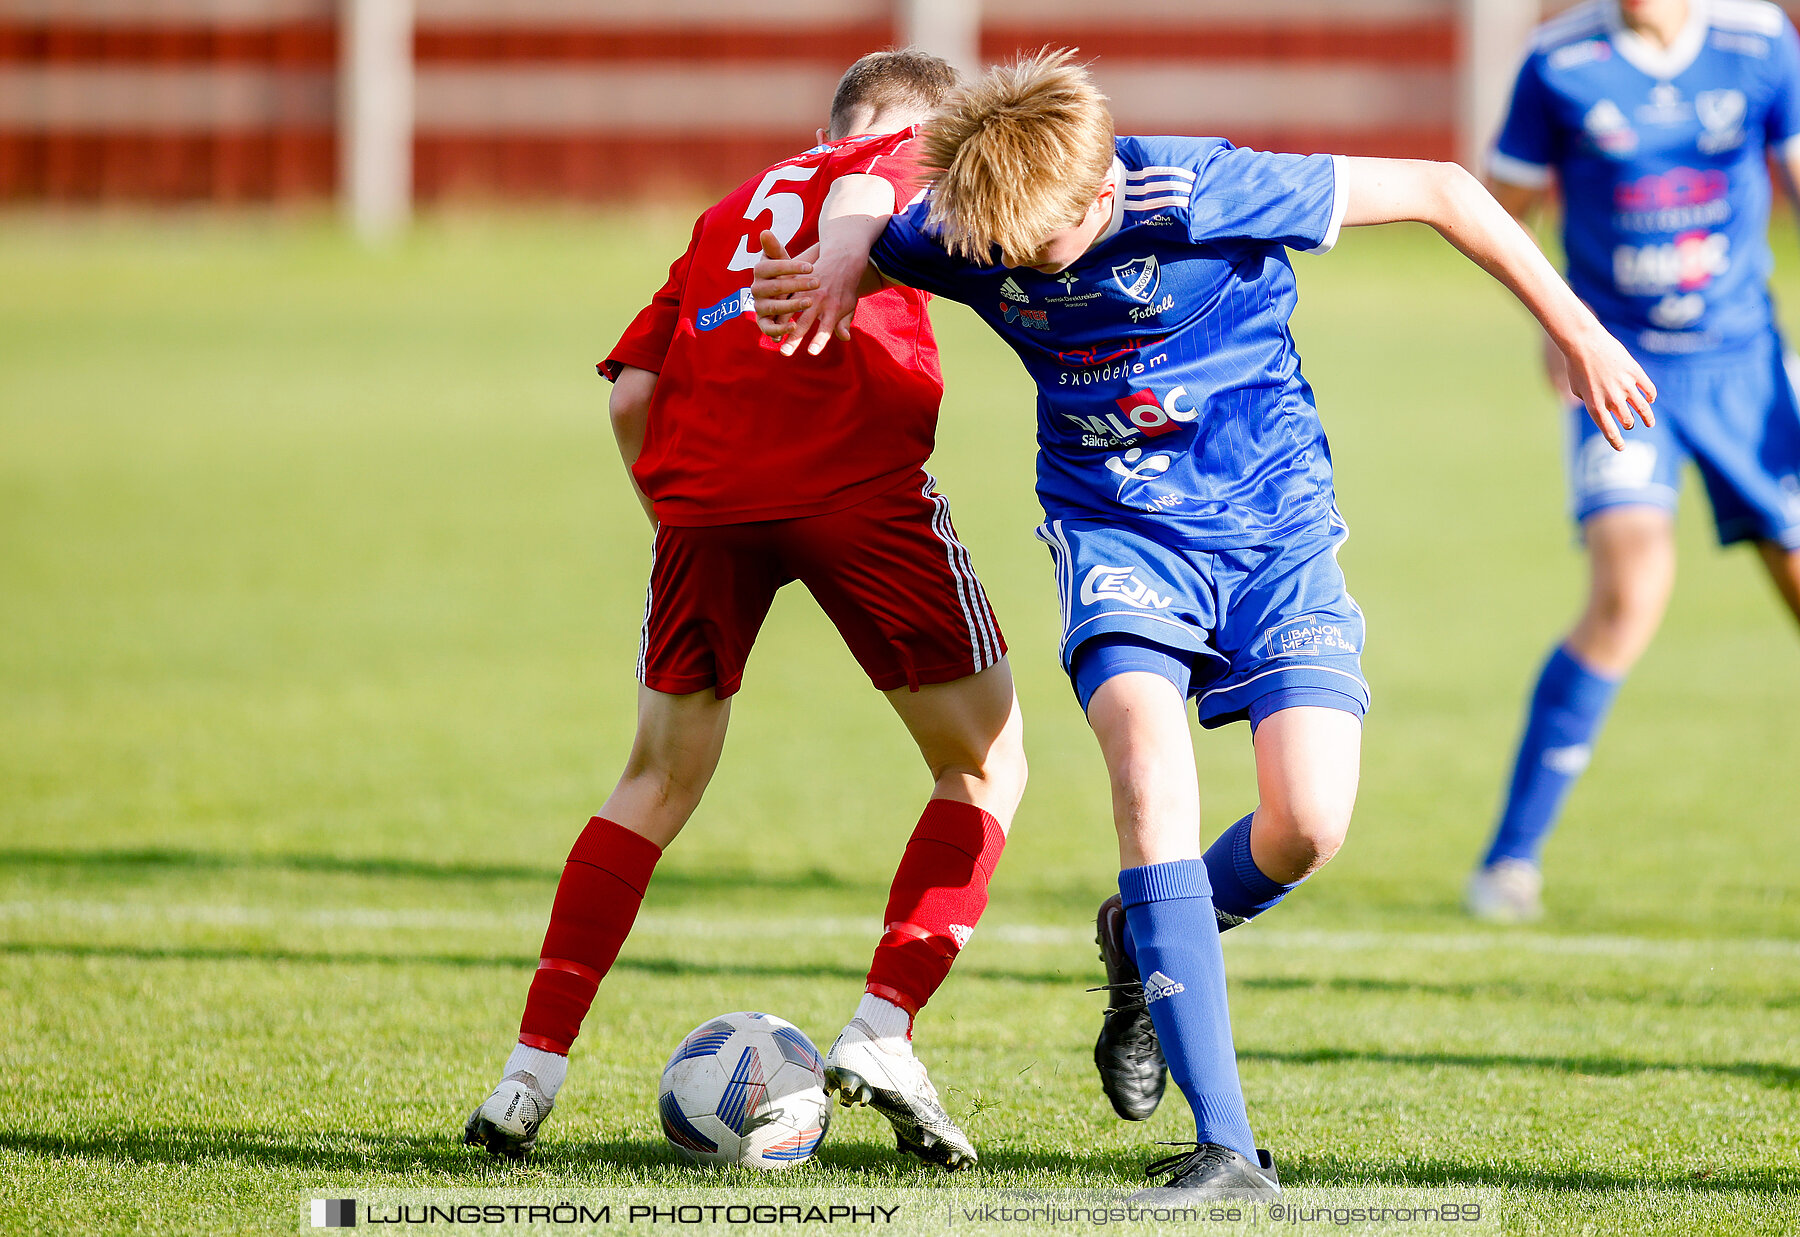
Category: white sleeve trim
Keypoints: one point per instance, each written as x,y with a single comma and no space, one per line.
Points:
1516,171
1788,147
1340,202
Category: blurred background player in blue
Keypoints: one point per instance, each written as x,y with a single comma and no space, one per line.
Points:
1655,119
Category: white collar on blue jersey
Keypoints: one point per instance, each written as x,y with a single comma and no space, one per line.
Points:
1118,211
1662,63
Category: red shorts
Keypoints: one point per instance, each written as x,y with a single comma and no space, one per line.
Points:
889,572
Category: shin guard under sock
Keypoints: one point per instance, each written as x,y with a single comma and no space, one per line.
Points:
939,892
597,901
1169,908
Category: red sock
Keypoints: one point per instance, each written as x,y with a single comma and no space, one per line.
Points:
937,898
597,900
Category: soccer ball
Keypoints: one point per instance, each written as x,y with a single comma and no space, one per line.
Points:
745,1089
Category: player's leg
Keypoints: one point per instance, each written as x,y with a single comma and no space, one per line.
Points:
1631,553
1139,719
710,590
1287,648
677,747
1749,457
1783,566
1308,760
900,587
971,737
1625,502
1294,636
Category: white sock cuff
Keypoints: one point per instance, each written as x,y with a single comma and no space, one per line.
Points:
549,1068
885,1018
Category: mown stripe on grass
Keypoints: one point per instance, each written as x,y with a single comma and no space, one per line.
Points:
815,927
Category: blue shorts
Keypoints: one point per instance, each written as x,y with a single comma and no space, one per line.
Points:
1260,627
1734,414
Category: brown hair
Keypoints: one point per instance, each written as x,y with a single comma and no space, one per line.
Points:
1017,155
884,81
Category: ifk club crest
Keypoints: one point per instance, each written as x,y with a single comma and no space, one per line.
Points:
1138,278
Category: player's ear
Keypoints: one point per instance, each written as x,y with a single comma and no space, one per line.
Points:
1103,200
823,135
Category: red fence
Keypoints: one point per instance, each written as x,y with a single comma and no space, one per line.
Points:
232,100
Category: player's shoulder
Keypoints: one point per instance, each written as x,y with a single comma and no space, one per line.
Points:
1747,17
860,150
1147,158
1159,173
1573,40
1586,22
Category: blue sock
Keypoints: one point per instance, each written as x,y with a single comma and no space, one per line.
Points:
1240,891
1567,709
1168,907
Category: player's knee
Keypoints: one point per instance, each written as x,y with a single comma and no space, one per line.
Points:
1306,832
1626,606
1621,619
1148,788
995,773
666,774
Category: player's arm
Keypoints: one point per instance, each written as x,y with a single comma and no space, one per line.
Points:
1525,203
1445,196
630,409
638,357
1787,166
818,290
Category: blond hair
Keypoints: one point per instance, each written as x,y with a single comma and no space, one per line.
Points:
886,82
1017,155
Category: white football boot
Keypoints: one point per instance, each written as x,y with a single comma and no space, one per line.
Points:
860,1070
507,1122
1509,891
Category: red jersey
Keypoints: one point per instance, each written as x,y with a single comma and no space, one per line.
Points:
738,432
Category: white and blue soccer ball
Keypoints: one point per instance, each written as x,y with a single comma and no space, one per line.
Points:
745,1089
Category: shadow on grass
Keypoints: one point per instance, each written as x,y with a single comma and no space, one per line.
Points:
1125,1168
448,1162
672,967
1515,990
445,1157
670,879
1768,1073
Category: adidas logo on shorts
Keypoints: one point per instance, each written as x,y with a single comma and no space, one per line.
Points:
1159,986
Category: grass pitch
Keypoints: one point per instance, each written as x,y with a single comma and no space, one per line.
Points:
319,594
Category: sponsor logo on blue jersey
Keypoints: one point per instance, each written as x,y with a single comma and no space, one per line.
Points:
1721,115
1030,319
715,316
1142,412
1309,637
1108,583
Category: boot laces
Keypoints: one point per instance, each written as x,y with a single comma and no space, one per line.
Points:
1184,1162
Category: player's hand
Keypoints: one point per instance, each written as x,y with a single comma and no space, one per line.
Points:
840,276
1603,375
1556,369
779,286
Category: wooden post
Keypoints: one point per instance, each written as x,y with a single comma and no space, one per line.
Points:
375,116
1492,37
947,28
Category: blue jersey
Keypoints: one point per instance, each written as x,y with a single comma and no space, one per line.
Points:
1661,157
1169,388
